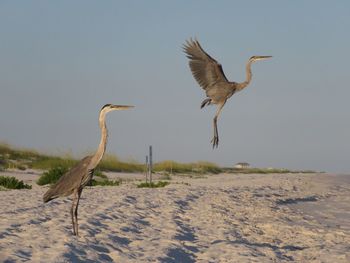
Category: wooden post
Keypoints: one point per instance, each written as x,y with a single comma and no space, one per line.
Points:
146,167
150,163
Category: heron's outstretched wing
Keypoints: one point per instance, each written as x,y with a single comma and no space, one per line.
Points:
77,176
206,70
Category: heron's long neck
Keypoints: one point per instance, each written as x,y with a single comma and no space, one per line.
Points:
245,83
102,146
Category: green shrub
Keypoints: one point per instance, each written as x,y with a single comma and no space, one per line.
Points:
13,183
153,185
52,176
102,180
98,173
21,167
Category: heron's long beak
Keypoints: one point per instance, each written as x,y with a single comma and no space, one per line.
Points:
121,107
262,57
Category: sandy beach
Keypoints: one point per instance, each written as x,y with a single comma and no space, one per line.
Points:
215,218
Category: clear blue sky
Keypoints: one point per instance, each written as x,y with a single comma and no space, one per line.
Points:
60,61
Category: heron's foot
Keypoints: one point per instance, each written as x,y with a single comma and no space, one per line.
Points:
75,233
75,230
215,142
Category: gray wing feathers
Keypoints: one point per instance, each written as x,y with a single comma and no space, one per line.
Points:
206,70
70,181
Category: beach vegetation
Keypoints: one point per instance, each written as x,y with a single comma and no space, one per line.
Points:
101,179
173,167
263,171
165,176
51,176
112,163
11,157
104,182
153,184
11,182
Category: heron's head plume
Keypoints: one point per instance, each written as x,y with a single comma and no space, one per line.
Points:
257,58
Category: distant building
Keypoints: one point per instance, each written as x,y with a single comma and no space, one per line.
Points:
241,165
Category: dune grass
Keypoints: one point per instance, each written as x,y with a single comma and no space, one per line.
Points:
22,158
264,171
49,162
108,163
9,152
11,157
16,158
112,163
197,167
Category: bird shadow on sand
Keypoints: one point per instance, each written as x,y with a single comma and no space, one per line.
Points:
100,227
178,254
79,251
119,241
290,201
280,251
22,254
185,234
75,254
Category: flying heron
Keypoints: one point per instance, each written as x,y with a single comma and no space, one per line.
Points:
80,175
210,76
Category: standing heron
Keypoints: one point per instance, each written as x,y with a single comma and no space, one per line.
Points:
210,76
80,175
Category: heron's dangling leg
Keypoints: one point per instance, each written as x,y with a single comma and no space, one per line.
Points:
215,140
205,102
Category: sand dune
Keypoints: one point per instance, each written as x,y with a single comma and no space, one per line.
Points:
221,218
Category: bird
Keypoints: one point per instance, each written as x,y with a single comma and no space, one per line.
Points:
210,76
81,174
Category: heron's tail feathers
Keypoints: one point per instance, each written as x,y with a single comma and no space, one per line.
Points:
205,102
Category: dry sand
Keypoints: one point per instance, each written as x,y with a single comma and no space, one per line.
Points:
220,218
